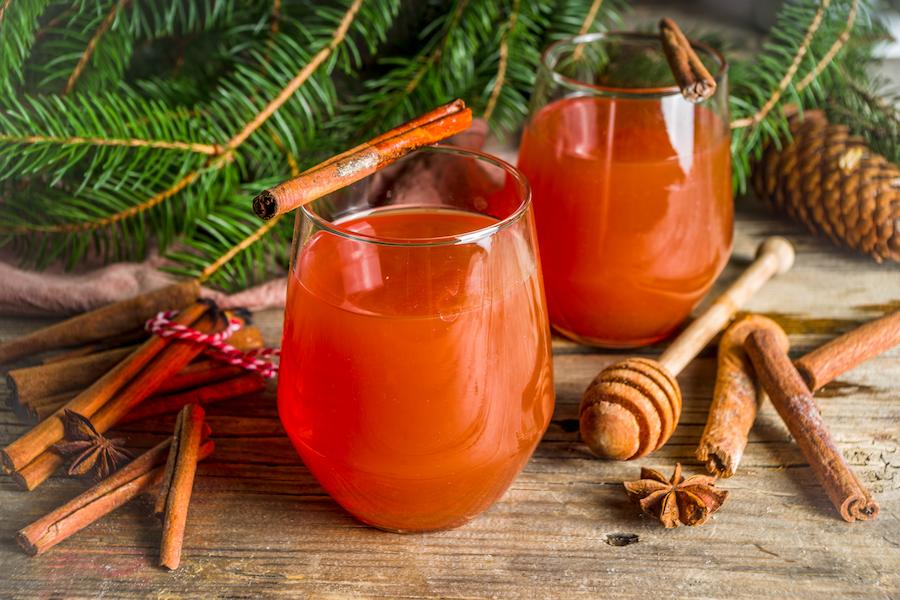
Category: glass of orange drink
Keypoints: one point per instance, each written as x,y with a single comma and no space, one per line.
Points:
632,187
416,377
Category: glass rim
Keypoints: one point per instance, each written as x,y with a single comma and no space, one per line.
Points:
635,92
467,237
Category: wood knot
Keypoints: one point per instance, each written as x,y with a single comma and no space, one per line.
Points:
622,539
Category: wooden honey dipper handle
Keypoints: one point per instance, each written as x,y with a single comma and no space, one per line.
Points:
774,256
632,407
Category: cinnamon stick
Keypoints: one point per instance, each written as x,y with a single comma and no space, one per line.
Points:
794,403
162,367
109,321
196,375
101,499
828,362
363,160
441,111
120,341
693,78
20,453
55,378
36,392
234,387
178,481
735,398
38,409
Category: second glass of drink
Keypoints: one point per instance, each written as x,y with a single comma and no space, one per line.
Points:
632,187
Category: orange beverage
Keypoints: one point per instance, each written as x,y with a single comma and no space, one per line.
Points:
415,374
632,195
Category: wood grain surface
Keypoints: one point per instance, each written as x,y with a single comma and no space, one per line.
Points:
260,526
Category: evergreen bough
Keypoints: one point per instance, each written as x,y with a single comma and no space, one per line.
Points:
127,124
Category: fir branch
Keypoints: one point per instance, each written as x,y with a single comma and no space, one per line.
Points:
435,55
590,18
62,209
444,68
71,51
104,141
242,246
156,20
507,92
18,25
229,247
299,79
91,48
209,235
92,44
497,86
776,94
761,85
829,56
578,17
117,217
426,61
86,218
56,135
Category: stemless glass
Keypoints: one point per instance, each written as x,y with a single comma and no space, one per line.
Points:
416,375
632,187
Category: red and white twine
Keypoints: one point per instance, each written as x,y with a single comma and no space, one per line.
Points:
252,360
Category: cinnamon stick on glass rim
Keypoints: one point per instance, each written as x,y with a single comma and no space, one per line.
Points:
363,160
690,73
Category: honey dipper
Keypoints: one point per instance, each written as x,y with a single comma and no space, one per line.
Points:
632,407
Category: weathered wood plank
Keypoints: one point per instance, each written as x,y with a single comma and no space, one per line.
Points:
262,527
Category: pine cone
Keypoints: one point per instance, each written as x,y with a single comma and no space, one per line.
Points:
830,181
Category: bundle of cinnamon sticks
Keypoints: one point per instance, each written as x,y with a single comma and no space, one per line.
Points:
104,369
115,385
180,455
753,361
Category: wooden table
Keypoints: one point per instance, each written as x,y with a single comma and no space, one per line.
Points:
262,527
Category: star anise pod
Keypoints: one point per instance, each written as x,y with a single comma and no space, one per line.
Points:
92,453
676,501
